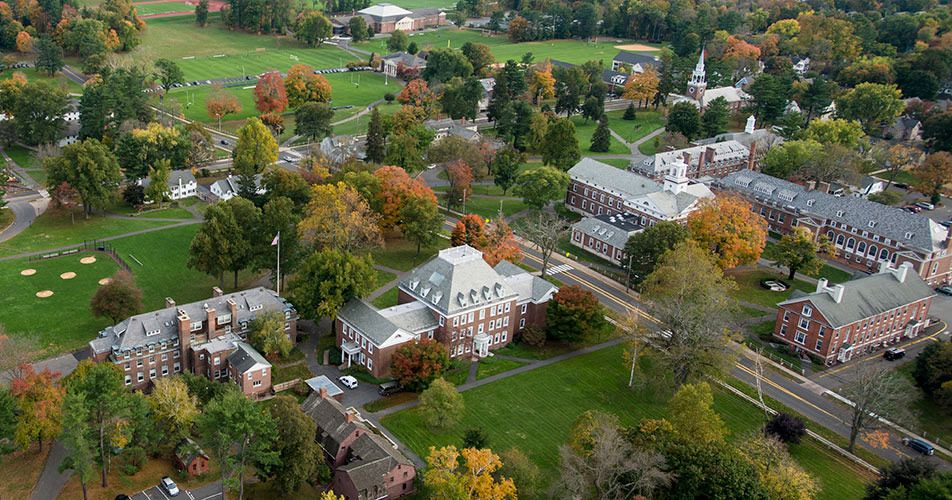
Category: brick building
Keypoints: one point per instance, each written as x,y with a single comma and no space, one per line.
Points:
857,317
205,338
605,235
865,233
455,298
387,18
596,188
707,160
364,465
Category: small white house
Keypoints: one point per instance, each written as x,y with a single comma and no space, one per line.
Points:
182,184
227,188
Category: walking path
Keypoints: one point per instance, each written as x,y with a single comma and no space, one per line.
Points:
382,289
51,482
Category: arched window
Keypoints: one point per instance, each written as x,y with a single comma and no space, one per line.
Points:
861,248
850,243
883,254
893,259
839,240
872,251
829,234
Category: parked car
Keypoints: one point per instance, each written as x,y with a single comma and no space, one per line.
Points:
919,445
912,208
894,353
348,381
926,205
388,388
945,290
947,223
169,486
773,285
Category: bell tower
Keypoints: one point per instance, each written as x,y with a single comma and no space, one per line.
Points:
698,83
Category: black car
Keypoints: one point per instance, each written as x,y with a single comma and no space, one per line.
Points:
945,290
388,388
894,353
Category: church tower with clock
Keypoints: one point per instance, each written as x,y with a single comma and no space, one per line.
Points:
698,83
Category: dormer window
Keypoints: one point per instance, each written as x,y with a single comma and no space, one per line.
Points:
425,291
810,203
414,283
872,223
839,213
908,236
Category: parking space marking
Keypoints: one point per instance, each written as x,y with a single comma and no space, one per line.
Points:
162,491
190,496
146,494
212,496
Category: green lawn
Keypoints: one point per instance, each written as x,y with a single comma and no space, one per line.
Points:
534,411
401,254
166,213
59,323
387,299
52,230
216,52
492,366
57,79
148,9
649,147
383,277
164,270
284,374
572,51
488,207
358,125
583,133
644,123
345,92
6,218
933,420
749,289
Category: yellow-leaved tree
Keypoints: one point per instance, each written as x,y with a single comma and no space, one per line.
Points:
448,477
730,230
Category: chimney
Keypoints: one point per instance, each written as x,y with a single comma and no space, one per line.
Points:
709,154
824,187
216,292
323,392
169,303
821,285
752,157
835,291
899,273
811,185
751,121
349,416
233,307
184,334
212,320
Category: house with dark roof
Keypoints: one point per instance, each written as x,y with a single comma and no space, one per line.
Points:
364,465
447,126
227,188
190,458
605,235
399,63
455,298
596,189
204,338
715,159
637,62
838,322
865,233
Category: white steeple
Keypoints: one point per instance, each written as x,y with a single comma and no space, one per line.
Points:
698,83
749,129
699,68
676,180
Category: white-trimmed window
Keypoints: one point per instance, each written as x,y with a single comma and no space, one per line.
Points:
217,361
807,310
127,366
804,323
442,321
140,377
370,348
256,383
800,337
507,306
456,321
505,335
128,380
783,330
165,370
524,308
250,376
152,373
177,368
819,345
482,314
522,323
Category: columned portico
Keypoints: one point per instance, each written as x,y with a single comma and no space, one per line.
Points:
481,345
351,349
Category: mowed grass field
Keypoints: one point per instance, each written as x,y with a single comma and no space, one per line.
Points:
58,79
147,9
63,321
573,51
534,412
53,230
216,52
354,88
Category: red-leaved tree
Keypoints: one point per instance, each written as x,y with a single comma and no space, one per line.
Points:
39,397
461,183
396,186
469,230
416,365
270,94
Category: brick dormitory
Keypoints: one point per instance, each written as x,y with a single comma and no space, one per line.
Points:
204,338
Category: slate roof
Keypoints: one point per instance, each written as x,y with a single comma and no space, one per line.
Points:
246,358
371,458
889,222
869,296
331,420
134,332
412,316
174,176
764,138
610,229
635,58
229,185
408,60
529,287
723,151
368,320
457,279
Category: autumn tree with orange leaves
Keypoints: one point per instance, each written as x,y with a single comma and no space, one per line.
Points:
39,398
642,87
417,94
461,183
469,230
303,86
473,477
24,42
728,228
542,83
501,244
575,313
270,93
417,364
220,104
396,186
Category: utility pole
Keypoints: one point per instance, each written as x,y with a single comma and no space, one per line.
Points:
628,280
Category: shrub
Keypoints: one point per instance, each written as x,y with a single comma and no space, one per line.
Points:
533,337
786,428
475,438
389,97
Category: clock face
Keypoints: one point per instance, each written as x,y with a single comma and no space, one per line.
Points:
691,89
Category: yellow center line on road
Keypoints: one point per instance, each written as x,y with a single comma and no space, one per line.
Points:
838,369
785,391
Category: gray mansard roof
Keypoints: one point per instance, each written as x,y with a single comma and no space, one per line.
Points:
154,327
726,150
529,287
867,297
613,230
889,222
456,280
368,320
611,179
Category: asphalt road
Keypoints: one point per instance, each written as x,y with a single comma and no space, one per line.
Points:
206,492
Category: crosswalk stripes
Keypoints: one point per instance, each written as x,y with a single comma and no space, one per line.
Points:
558,269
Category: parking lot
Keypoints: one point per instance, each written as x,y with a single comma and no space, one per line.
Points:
206,492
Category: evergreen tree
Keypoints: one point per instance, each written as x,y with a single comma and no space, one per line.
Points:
201,13
376,139
49,55
560,147
601,139
714,119
629,112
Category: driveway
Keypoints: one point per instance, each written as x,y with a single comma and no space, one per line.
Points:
26,210
363,394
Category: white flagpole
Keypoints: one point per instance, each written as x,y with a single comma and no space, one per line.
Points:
279,264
